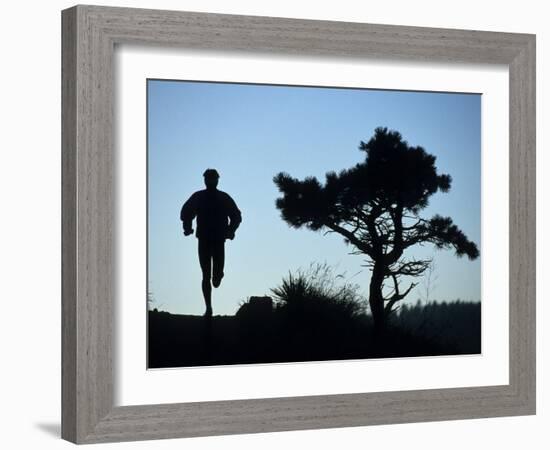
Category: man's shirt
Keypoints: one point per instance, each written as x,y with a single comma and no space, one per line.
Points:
216,212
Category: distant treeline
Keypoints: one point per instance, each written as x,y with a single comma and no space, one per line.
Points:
452,324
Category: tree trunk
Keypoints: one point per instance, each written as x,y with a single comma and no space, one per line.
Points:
376,300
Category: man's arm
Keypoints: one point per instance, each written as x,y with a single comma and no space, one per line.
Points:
188,213
235,217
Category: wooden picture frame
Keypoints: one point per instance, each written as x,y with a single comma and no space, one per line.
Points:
89,37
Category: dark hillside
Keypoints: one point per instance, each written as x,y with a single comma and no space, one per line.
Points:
260,334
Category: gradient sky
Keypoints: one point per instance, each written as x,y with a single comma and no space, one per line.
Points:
249,133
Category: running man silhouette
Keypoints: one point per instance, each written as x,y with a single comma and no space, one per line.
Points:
217,220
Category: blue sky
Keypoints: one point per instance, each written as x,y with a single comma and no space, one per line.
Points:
249,133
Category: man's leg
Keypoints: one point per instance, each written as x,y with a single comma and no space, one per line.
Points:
218,260
205,260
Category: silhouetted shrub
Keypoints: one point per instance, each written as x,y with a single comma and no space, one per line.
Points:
317,316
314,294
256,306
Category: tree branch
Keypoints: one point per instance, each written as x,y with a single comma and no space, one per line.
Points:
350,237
413,268
396,296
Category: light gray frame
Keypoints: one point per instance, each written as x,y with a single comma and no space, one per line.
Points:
89,36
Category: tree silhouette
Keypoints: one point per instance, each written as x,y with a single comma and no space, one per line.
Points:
376,207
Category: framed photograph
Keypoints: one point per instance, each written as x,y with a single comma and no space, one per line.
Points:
306,210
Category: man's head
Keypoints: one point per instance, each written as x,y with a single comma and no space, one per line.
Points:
211,177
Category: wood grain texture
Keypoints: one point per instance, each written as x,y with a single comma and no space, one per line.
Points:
89,36
68,226
523,224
